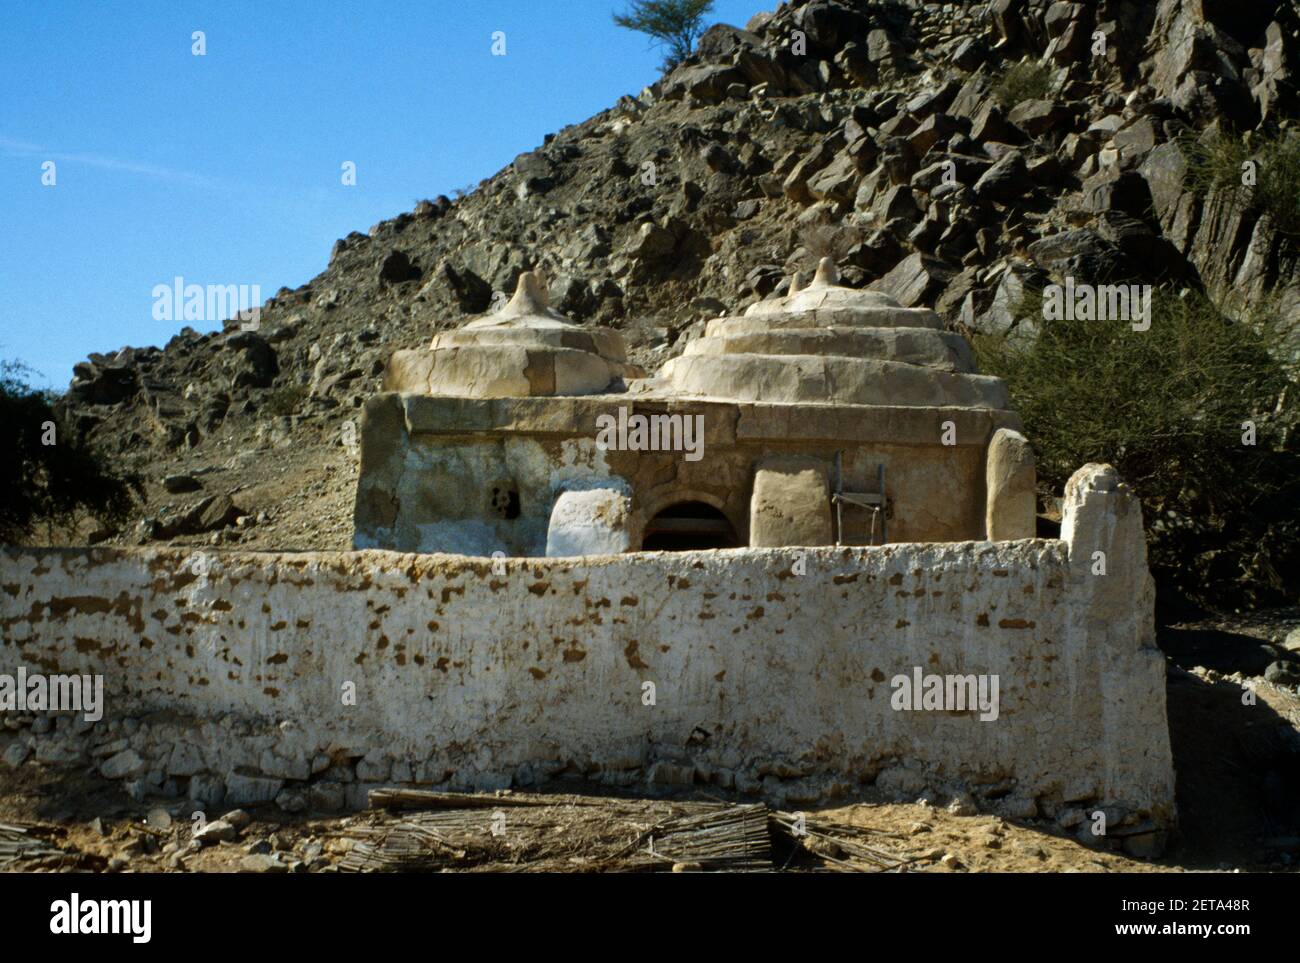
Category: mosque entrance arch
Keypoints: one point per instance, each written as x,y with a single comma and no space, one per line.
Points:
688,525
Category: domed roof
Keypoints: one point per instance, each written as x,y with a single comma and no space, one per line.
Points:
831,344
831,301
524,350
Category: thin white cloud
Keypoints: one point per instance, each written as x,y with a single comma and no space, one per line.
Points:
18,148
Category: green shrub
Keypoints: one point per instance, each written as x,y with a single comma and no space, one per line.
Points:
1027,80
1216,162
1166,407
51,486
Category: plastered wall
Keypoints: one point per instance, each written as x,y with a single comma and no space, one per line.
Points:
765,670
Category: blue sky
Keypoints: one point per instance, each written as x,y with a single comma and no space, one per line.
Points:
225,168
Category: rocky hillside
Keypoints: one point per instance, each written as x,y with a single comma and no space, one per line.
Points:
887,134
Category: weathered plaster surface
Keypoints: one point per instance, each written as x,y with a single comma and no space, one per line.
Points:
764,678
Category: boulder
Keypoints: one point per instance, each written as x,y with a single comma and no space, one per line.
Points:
1006,18
534,173
1275,91
1200,66
990,124
1165,171
652,243
934,129
1059,16
915,280
795,185
179,483
1007,181
829,25
1221,237
970,97
395,267
756,67
1135,141
837,182
1081,253
1003,313
718,158
1040,117
968,54
1152,255
1292,641
863,150
881,46
706,82
1125,191
209,514
855,64
1046,171
16,754
217,512
1283,673
327,796
722,41
95,384
470,292
897,202
255,364
216,831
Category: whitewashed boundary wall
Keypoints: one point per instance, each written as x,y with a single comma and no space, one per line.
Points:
309,677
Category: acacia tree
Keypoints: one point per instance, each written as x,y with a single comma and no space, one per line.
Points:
1193,414
675,24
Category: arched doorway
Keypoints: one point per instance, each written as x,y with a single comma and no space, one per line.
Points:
689,525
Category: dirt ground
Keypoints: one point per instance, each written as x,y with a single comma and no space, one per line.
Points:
126,836
1238,789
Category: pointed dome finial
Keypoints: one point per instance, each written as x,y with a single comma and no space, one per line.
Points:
795,286
827,273
530,296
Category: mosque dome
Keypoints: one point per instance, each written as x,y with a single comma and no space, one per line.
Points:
527,349
830,344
